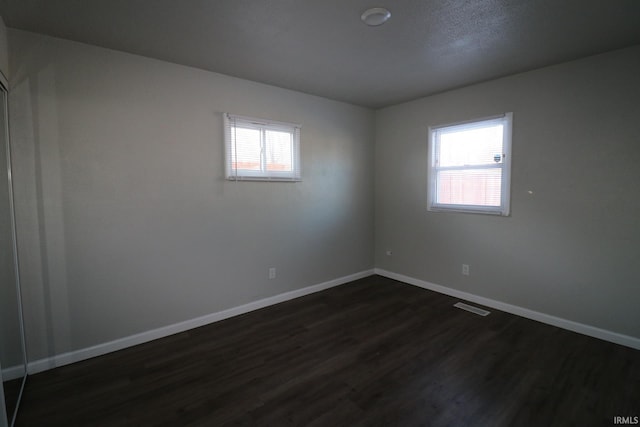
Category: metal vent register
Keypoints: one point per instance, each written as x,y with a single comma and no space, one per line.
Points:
476,310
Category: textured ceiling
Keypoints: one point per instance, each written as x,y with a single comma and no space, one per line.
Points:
321,47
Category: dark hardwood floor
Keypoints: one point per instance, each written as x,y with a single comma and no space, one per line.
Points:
11,394
374,352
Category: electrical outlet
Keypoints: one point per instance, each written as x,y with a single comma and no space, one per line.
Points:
272,273
465,269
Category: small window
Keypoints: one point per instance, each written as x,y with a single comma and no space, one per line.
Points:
261,150
469,168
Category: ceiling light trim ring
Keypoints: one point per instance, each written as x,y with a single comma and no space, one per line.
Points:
375,16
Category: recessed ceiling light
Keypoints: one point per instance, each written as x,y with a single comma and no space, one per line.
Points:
375,16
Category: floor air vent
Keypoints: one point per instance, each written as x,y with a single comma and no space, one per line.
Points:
472,309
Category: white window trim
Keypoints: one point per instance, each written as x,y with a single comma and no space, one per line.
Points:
252,122
505,202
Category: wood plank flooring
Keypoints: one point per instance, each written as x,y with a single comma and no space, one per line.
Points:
374,352
11,394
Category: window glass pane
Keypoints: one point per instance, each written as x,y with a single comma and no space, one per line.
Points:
481,187
245,149
279,152
477,146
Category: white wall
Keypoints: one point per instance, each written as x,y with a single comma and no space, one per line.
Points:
4,49
10,344
571,248
125,221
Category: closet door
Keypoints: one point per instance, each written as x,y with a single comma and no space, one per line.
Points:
12,348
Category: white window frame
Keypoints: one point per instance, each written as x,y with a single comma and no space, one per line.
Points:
231,121
434,140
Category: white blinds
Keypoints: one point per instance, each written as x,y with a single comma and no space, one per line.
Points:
262,150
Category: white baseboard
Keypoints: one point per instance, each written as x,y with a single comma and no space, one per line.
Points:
12,372
119,344
570,325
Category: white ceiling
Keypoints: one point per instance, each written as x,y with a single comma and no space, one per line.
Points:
321,47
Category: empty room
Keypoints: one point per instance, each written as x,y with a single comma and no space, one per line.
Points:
320,213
